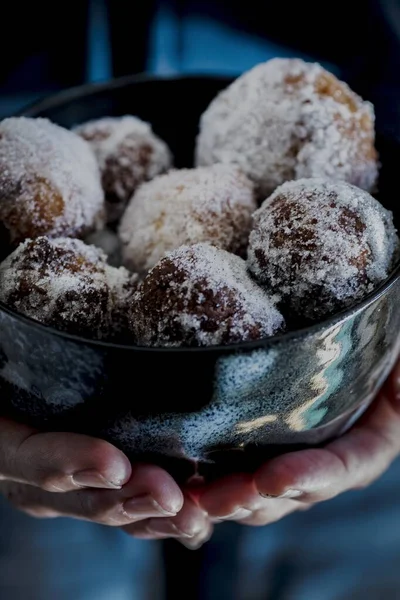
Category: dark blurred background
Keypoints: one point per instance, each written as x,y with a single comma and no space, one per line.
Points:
46,47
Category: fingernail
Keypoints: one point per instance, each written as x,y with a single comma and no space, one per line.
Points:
239,513
165,527
195,543
287,494
145,505
92,478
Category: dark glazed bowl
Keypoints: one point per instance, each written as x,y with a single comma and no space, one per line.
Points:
208,410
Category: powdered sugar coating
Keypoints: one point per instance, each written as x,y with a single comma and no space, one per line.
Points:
69,285
200,296
321,245
128,153
49,181
183,207
287,119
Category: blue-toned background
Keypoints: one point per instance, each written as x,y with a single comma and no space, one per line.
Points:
52,46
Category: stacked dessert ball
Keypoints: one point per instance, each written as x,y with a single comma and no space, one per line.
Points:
275,223
128,153
68,284
287,119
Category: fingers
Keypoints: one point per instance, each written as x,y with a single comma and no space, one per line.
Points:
153,481
200,539
271,511
236,498
226,496
352,461
191,527
150,493
190,523
59,462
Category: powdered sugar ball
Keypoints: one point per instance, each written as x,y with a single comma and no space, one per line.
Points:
211,204
287,119
64,283
200,296
49,182
321,245
128,153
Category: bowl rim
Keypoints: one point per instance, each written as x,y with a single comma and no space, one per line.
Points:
87,89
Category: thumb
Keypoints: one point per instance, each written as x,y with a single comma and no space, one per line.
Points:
59,462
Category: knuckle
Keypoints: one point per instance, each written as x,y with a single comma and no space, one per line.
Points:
93,505
18,496
386,442
14,493
342,460
51,482
27,500
19,458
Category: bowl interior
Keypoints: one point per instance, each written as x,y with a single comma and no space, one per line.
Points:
172,105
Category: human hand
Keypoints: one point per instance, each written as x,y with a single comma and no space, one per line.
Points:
67,474
191,526
296,481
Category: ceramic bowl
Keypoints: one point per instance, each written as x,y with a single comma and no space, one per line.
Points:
201,410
